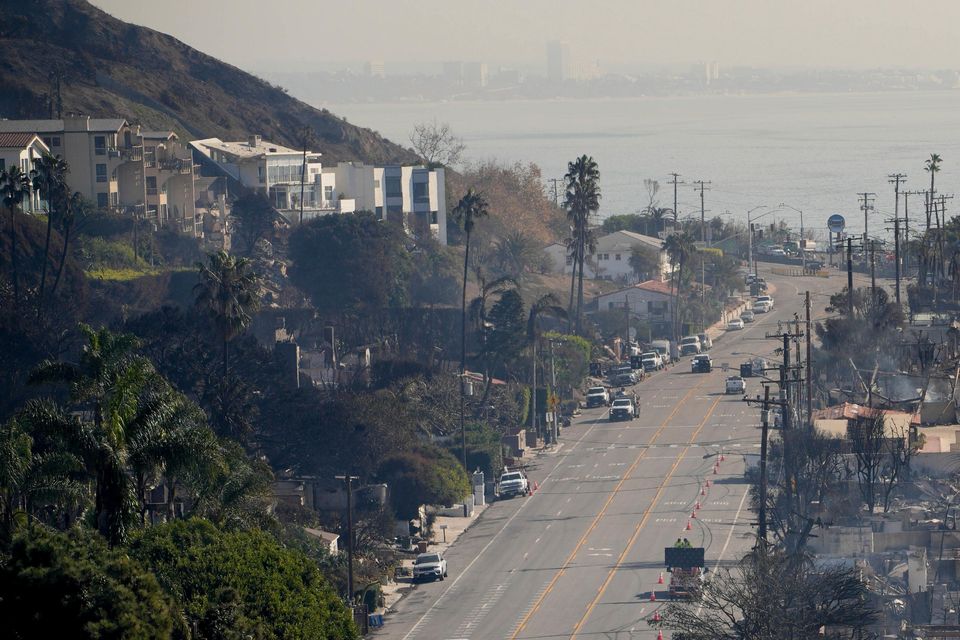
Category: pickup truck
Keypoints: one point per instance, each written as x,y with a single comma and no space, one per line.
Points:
687,568
735,384
690,345
513,482
655,356
597,397
624,408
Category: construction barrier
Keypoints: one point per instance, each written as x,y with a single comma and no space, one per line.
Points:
798,272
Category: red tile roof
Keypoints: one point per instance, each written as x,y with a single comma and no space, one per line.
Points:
656,286
16,140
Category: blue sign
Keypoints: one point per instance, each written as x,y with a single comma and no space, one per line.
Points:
836,223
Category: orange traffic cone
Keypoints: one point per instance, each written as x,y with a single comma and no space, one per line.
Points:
722,458
697,507
703,491
689,528
536,486
656,616
715,471
653,596
708,483
659,635
660,579
693,514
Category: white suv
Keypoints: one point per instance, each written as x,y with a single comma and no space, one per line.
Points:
429,566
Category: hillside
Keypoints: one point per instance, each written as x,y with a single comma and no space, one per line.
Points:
112,68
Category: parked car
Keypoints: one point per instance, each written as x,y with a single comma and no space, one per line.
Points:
429,566
736,384
664,348
513,482
747,316
655,356
750,278
705,342
624,408
761,307
767,299
701,364
690,345
597,397
650,365
735,325
777,251
625,380
814,266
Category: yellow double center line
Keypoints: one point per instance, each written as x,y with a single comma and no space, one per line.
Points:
643,520
599,516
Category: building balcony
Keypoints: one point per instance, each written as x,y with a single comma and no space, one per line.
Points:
182,166
131,154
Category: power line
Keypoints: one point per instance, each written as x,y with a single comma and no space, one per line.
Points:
675,182
556,193
701,186
866,205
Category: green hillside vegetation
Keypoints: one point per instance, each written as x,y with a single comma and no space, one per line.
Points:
111,68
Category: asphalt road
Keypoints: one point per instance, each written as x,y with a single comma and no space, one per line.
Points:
581,556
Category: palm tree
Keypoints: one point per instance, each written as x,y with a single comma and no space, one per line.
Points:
680,249
14,189
472,207
478,314
76,209
108,381
49,179
229,291
546,305
582,197
659,216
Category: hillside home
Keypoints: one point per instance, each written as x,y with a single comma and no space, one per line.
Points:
277,172
647,301
412,195
611,261
119,167
22,150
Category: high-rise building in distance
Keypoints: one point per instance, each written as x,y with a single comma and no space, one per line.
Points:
558,60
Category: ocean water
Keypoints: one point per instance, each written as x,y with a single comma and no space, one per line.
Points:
814,152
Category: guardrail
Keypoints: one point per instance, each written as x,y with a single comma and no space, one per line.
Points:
799,272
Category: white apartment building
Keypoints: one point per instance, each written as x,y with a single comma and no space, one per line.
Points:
117,166
412,195
277,172
611,261
22,150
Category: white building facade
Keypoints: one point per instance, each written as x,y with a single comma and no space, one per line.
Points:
648,301
611,261
414,196
22,150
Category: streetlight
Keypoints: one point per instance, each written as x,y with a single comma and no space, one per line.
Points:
803,255
750,229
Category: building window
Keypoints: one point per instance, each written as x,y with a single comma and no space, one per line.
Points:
260,173
101,173
376,184
114,199
328,194
379,213
102,200
421,193
3,164
54,141
393,187
617,256
151,185
100,145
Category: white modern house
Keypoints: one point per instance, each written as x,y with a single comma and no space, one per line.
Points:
22,150
278,172
611,261
412,195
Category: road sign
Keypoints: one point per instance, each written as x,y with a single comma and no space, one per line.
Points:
836,223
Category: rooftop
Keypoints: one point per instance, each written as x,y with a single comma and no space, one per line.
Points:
852,411
19,140
159,135
633,237
111,125
247,149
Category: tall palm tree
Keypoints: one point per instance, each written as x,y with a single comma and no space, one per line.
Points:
472,207
659,217
108,381
546,305
76,209
49,178
582,197
478,314
14,189
229,291
680,249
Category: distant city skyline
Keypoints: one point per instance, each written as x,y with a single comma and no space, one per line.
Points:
614,35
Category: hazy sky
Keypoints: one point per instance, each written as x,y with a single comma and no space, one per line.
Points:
292,34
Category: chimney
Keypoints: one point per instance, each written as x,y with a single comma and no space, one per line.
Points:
253,141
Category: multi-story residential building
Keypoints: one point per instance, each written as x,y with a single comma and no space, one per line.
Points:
22,150
117,166
412,195
649,302
277,172
611,261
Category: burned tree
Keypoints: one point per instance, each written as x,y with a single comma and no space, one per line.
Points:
882,451
770,595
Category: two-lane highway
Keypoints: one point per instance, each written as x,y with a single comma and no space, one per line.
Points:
581,557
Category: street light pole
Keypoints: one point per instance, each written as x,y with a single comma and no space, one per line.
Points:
803,255
348,479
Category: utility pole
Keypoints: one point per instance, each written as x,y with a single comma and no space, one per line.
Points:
554,405
897,257
873,271
866,205
895,179
809,363
556,192
701,186
765,429
348,479
675,182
